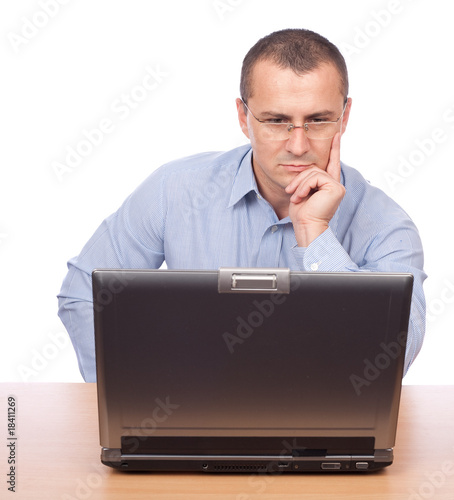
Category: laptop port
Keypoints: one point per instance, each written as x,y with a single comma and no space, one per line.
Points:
331,465
283,464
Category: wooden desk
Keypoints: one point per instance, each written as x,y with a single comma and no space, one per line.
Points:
58,456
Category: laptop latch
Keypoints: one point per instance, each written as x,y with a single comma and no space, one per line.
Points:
257,280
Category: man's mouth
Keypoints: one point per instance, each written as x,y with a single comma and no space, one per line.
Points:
294,167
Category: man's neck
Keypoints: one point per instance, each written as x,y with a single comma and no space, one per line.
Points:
281,208
274,194
280,201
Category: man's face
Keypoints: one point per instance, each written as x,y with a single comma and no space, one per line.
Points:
281,94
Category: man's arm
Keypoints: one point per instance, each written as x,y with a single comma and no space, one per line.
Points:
396,247
130,238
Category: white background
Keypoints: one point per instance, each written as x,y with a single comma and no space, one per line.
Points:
65,71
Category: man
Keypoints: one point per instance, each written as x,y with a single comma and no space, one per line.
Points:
285,200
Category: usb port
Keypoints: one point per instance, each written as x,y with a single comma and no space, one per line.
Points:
283,464
331,465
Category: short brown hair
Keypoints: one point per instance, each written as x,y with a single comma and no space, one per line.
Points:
298,49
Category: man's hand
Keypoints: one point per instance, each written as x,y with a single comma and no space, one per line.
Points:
316,195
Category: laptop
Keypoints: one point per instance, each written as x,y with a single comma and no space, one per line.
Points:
249,370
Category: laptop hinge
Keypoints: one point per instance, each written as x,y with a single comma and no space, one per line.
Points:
257,280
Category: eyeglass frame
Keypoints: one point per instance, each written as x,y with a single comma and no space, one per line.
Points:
292,127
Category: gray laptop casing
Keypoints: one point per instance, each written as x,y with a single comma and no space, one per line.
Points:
249,370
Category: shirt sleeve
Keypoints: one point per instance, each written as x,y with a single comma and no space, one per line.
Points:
396,248
130,238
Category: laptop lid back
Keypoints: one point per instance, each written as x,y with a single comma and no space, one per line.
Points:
212,370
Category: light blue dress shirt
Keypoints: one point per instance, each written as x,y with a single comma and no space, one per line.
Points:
205,211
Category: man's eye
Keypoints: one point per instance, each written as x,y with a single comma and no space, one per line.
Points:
317,120
275,120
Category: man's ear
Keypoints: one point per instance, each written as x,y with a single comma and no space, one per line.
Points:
242,117
346,115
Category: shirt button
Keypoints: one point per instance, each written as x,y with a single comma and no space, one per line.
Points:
314,266
274,229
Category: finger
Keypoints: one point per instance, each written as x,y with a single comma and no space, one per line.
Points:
334,166
300,178
311,183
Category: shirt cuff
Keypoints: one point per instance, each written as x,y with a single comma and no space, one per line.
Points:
324,254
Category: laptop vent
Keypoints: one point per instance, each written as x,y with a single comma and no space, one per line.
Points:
239,468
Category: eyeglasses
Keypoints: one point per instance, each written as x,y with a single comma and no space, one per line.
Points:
275,129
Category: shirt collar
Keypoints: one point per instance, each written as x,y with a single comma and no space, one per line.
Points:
244,181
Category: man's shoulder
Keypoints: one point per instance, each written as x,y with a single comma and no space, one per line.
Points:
359,187
368,200
352,177
195,171
206,161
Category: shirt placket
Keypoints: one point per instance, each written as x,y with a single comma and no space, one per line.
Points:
271,241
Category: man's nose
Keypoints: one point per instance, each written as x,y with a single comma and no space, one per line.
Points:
298,143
